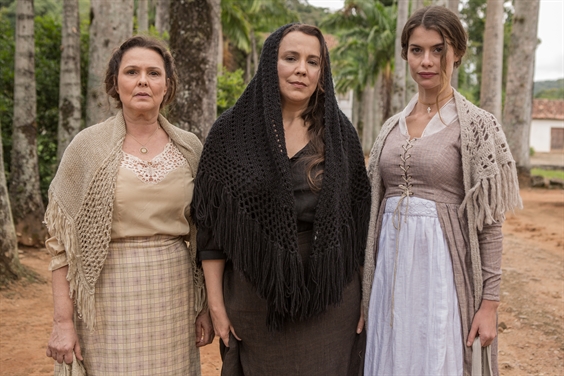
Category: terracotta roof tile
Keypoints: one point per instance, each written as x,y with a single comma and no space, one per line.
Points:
552,109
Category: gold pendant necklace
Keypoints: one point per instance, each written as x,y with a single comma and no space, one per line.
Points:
143,149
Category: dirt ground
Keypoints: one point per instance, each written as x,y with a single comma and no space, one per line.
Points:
531,313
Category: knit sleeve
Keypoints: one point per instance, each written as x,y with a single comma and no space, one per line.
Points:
491,239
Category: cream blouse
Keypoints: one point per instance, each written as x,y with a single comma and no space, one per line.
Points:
151,198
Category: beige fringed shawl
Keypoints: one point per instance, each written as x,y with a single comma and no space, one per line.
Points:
81,199
490,184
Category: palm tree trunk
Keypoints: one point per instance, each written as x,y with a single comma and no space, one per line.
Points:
69,80
194,41
453,5
368,121
27,206
142,16
111,25
398,98
162,17
519,87
492,59
8,238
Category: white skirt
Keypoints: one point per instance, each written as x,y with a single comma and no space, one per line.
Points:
413,320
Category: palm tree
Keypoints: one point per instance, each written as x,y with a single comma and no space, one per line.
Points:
243,21
26,203
363,61
519,88
492,59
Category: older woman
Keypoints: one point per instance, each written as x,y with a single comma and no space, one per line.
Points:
119,219
442,179
281,203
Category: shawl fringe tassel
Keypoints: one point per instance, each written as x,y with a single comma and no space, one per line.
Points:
80,292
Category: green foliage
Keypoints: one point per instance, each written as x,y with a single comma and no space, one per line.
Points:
7,51
47,68
549,89
550,174
366,33
230,86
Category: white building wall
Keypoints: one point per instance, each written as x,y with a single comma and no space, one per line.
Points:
540,134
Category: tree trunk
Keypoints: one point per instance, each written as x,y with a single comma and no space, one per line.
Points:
162,18
368,121
357,110
519,87
398,98
254,51
416,4
248,68
25,194
492,59
194,40
111,24
8,238
69,80
453,5
142,16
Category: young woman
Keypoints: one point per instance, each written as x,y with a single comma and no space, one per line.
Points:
442,178
281,203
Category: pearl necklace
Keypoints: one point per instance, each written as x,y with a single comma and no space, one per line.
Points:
143,149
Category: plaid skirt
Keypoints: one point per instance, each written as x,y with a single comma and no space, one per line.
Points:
144,311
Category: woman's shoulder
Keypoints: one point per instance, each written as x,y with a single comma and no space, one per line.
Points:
474,113
88,135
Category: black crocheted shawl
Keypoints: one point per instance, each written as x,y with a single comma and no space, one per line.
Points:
243,194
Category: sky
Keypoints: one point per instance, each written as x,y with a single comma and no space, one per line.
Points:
549,61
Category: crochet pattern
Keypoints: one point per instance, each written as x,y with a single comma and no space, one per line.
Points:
81,199
490,184
243,194
155,170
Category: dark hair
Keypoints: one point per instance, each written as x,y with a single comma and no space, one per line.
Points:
153,44
314,113
447,24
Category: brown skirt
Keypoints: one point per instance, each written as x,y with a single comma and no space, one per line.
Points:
324,345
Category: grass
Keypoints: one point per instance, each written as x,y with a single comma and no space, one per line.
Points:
550,174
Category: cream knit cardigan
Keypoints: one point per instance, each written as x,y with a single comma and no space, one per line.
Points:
81,199
490,185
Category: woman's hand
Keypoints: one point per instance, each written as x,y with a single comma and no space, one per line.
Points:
221,325
360,324
64,339
63,342
213,273
204,329
484,323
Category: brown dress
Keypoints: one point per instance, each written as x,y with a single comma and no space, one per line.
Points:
325,345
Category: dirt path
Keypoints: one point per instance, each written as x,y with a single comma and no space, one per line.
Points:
531,313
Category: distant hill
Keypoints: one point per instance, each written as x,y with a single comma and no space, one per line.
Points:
549,89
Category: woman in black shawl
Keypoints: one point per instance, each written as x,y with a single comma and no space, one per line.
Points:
281,203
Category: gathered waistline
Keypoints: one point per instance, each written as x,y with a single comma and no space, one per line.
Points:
415,206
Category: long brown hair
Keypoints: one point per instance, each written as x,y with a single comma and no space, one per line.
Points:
153,44
315,110
448,25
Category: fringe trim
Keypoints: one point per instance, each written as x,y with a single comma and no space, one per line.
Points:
486,203
492,197
277,274
59,225
200,301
